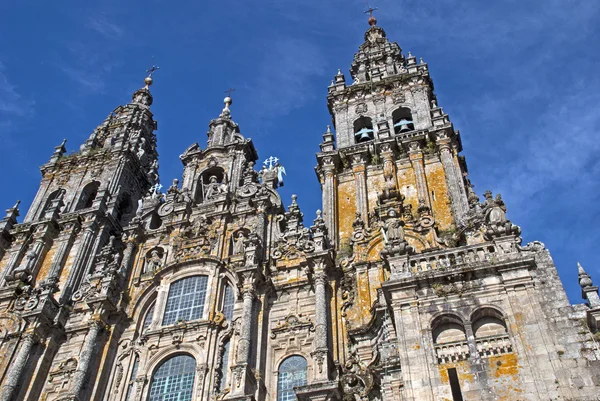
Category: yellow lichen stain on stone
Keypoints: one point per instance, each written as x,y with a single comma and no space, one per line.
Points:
504,365
375,247
438,194
463,371
407,186
375,185
64,274
346,209
47,262
364,297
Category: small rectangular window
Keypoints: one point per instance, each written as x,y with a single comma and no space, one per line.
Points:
454,385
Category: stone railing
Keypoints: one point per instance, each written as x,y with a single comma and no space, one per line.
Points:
452,258
452,352
494,345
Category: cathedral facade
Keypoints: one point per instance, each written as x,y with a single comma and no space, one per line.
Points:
406,286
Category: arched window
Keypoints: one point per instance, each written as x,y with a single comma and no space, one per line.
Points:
292,373
148,318
131,382
49,200
363,130
224,365
88,195
491,333
174,380
403,121
228,302
186,299
124,209
450,339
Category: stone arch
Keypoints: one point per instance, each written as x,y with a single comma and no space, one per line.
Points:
53,195
402,119
363,129
125,209
488,321
170,351
448,327
159,363
286,380
88,195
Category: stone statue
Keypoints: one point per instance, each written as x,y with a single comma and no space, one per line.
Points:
393,231
238,244
213,188
153,262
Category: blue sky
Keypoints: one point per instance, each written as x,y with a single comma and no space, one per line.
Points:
518,78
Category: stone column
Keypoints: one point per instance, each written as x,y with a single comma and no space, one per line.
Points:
128,255
456,187
330,200
416,158
80,262
321,352
360,179
85,357
243,352
15,371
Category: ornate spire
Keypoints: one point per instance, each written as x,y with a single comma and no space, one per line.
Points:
142,96
223,130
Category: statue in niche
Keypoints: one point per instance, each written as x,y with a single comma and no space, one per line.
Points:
392,229
153,261
238,244
214,188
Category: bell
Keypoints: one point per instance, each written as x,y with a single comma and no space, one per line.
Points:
365,134
404,125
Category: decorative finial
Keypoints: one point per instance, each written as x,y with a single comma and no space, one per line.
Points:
584,279
372,19
148,79
228,101
328,129
339,71
16,206
294,198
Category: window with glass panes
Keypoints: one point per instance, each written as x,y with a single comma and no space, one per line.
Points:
186,299
174,380
228,302
292,373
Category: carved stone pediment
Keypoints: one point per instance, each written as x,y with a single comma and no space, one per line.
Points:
293,323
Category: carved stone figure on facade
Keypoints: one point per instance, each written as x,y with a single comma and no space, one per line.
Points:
154,261
238,244
214,188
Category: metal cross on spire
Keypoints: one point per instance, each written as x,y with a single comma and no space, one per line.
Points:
228,91
372,19
152,70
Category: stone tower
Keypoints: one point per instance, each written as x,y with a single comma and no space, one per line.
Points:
405,287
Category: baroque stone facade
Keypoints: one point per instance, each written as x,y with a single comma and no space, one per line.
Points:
405,287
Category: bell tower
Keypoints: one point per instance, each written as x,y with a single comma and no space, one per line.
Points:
392,142
73,230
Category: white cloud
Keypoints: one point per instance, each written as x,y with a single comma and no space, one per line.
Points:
12,103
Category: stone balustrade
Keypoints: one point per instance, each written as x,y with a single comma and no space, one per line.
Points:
496,345
452,351
452,258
